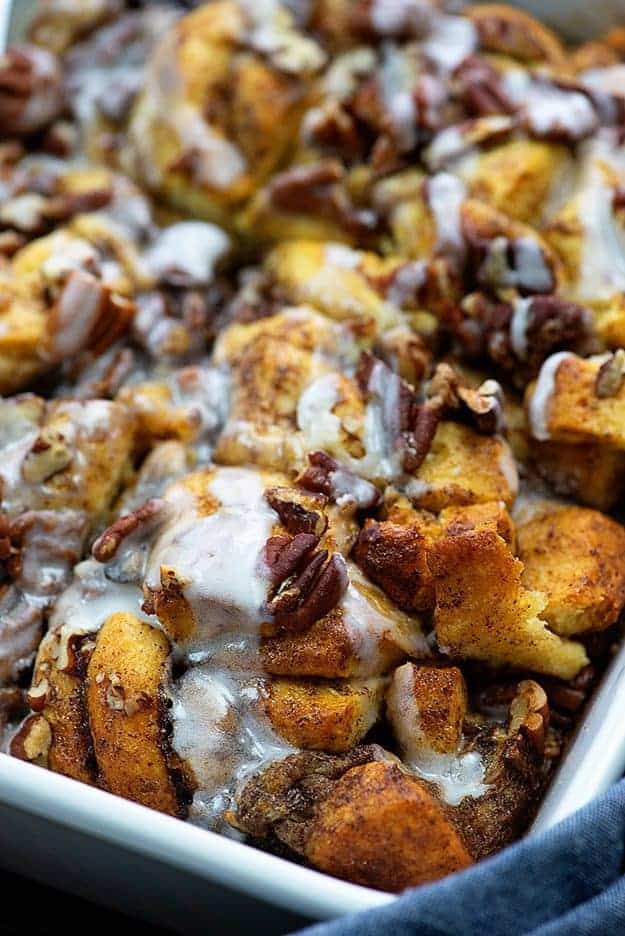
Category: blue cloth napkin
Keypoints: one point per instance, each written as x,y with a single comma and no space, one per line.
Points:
562,882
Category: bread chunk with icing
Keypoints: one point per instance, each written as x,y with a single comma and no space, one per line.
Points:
126,711
579,400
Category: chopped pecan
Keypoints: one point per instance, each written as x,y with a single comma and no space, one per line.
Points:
519,336
529,714
330,127
106,545
31,91
411,427
306,583
610,375
299,512
32,741
485,406
10,554
480,88
316,189
326,476
503,262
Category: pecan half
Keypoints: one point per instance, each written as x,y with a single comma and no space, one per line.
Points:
610,375
106,545
327,476
306,583
31,92
519,336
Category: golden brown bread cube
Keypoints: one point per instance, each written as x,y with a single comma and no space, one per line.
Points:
126,710
579,400
394,556
321,716
335,280
380,827
518,176
484,612
271,362
587,471
574,556
426,707
463,467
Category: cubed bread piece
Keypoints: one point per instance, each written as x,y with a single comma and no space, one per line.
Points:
271,362
483,612
22,331
394,556
579,400
321,716
488,516
426,706
127,712
203,157
335,280
575,557
587,471
58,693
380,827
518,176
464,467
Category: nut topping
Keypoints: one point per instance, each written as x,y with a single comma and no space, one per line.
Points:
610,375
30,90
107,544
307,584
326,476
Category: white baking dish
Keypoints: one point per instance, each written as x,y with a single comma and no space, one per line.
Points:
125,856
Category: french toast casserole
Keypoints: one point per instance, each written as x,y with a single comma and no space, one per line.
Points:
312,435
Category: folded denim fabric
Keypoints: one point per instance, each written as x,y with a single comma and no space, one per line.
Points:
566,881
